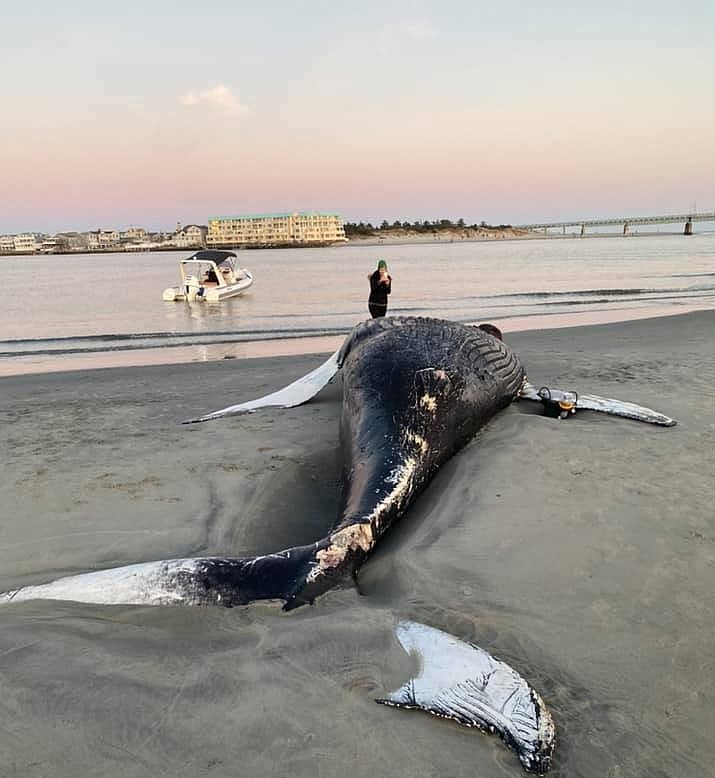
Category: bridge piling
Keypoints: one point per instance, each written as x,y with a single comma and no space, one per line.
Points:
688,227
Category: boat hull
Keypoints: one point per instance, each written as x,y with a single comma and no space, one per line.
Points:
211,294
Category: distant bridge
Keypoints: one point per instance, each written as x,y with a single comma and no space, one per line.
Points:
686,219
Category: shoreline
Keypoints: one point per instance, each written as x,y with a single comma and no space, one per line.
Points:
417,240
291,347
380,240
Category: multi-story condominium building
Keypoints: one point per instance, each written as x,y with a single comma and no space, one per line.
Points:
7,244
72,241
275,229
102,239
26,244
133,235
190,236
50,246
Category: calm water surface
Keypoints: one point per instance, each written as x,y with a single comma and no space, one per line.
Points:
80,311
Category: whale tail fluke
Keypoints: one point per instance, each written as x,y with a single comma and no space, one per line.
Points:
592,402
461,681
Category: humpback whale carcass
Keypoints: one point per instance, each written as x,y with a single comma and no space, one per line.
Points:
415,391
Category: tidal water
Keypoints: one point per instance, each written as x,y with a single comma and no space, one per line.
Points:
62,312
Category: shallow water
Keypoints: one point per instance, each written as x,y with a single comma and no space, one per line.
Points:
63,312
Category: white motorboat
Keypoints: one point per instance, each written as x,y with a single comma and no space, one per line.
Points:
209,275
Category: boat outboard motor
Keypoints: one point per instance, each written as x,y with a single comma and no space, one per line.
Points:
194,291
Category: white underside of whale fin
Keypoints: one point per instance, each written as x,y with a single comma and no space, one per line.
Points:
461,681
297,393
592,402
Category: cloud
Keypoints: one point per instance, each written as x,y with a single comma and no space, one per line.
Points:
219,96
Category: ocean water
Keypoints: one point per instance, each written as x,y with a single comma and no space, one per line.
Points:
63,312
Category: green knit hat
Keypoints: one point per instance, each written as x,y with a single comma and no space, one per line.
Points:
381,264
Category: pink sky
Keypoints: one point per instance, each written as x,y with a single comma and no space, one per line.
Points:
442,111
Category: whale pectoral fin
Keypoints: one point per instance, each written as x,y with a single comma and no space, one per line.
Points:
297,393
461,681
592,402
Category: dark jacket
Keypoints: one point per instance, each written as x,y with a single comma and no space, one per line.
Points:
378,291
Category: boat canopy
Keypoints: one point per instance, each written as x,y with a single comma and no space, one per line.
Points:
211,255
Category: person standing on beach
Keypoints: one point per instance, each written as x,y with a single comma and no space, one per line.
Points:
380,287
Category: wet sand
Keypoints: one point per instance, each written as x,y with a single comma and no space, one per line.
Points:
581,552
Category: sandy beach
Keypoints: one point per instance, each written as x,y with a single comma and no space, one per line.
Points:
582,552
455,235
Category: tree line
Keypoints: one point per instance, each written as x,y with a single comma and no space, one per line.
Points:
365,228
